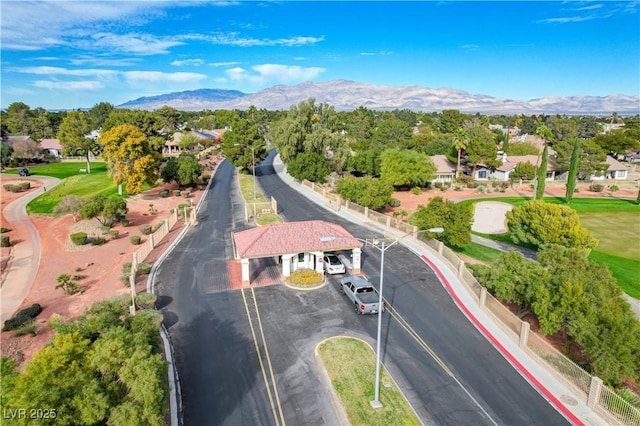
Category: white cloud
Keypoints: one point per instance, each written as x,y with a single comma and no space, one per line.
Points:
57,71
234,39
141,44
273,73
157,76
69,85
185,62
222,64
381,53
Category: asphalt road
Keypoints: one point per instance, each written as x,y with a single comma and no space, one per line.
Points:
466,381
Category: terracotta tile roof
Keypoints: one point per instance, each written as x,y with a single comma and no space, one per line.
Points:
293,237
50,144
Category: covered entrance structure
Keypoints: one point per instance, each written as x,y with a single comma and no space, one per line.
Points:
296,245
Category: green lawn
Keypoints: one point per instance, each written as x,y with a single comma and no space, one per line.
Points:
479,252
615,223
63,170
73,183
350,364
247,191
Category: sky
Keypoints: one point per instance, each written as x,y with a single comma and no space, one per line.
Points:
74,54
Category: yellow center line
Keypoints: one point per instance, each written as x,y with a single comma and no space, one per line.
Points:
266,351
257,346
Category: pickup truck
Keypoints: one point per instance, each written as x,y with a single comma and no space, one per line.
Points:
362,295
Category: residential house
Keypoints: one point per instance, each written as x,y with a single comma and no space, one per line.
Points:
502,173
51,147
445,169
616,170
13,139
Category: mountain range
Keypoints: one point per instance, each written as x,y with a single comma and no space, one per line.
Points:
346,95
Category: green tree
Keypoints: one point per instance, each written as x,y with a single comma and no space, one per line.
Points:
524,171
99,113
365,163
129,156
573,171
541,177
5,154
522,148
243,144
438,146
73,135
392,132
455,218
539,223
545,133
592,158
481,148
40,124
563,129
170,118
149,123
461,143
310,166
189,140
406,168
617,141
188,170
365,191
104,209
451,120
16,118
169,173
66,284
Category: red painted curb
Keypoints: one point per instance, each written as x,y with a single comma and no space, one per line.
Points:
555,401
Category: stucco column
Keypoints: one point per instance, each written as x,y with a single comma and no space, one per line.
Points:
319,261
355,259
244,263
286,265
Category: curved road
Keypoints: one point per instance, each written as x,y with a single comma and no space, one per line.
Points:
23,268
465,381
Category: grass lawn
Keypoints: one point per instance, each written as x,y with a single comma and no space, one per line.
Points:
246,189
615,223
479,252
73,183
63,170
350,364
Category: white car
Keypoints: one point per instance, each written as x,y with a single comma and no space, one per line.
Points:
333,265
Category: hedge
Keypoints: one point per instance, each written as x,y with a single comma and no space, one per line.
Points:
79,238
22,317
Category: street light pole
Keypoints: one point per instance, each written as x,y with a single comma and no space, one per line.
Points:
376,398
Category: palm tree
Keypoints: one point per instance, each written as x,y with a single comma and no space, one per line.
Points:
460,142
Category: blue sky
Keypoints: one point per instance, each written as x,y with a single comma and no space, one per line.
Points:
67,54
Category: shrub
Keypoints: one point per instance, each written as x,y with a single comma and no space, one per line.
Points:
126,272
159,225
124,222
98,241
185,194
596,187
3,230
184,207
205,178
30,327
104,230
135,239
164,193
176,192
145,229
473,184
416,190
305,277
79,238
5,241
394,202
146,300
444,188
22,317
457,187
438,185
66,283
481,189
152,210
24,186
11,187
143,268
613,188
113,233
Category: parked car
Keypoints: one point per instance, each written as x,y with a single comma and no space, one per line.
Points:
333,265
23,171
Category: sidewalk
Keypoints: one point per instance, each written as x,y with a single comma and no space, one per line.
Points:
560,396
23,267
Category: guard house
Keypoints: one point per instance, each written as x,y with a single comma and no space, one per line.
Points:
296,245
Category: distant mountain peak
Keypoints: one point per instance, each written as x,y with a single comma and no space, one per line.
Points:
346,95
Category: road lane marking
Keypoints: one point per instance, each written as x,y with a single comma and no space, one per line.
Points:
270,381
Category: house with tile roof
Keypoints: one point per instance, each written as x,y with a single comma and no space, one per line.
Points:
502,173
295,245
445,169
616,170
51,147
